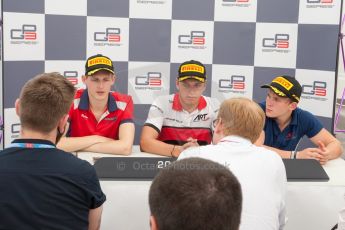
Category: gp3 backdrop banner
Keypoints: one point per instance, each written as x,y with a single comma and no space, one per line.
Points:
243,43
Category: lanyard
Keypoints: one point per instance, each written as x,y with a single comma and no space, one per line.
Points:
31,146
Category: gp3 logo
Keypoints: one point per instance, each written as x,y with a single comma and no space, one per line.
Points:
110,35
151,79
235,82
318,88
280,41
72,76
194,38
15,128
27,32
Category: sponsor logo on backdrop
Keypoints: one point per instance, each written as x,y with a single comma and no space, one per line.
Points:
236,3
15,130
150,81
108,37
27,34
316,91
155,2
277,43
193,40
320,4
72,76
236,84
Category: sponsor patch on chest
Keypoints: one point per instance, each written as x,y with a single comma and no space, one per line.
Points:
201,117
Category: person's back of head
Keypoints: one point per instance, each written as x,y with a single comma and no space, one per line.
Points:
195,193
44,100
47,188
242,117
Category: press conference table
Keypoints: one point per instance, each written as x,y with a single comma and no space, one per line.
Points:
310,205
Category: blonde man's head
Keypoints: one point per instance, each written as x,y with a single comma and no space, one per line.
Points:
241,117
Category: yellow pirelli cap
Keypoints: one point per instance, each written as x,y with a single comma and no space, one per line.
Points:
98,62
285,86
192,69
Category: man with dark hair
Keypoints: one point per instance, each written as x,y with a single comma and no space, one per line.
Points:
195,194
178,121
100,120
42,187
260,171
286,124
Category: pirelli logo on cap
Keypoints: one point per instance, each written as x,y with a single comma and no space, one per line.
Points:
192,68
283,82
99,60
